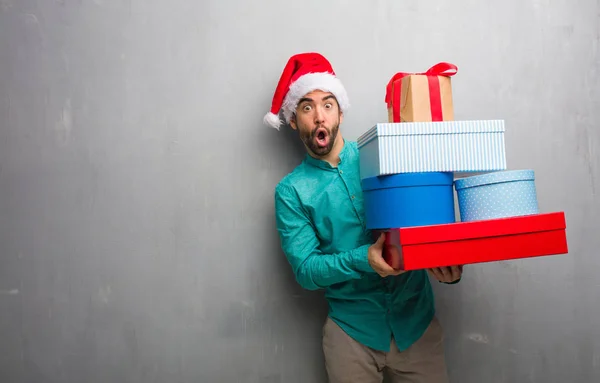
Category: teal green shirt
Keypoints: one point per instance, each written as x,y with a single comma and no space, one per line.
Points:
321,223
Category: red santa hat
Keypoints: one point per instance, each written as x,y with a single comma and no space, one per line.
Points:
302,74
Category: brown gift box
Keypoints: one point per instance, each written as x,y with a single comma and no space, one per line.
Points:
421,97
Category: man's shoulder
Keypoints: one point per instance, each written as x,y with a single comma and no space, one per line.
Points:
295,178
351,148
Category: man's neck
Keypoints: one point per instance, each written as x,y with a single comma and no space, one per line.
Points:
333,157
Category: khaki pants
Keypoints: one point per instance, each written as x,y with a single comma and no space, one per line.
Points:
348,361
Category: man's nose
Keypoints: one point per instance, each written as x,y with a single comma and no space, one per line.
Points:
319,115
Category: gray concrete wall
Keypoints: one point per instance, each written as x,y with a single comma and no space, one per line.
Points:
135,247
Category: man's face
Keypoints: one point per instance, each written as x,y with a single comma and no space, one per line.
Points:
317,120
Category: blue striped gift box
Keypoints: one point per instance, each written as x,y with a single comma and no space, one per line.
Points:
439,146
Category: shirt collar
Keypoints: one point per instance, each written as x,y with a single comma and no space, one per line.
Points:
324,164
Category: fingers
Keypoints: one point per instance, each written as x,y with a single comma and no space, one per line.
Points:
377,261
454,273
397,272
437,273
384,269
446,274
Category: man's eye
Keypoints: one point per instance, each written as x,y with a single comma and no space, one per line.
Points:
306,108
328,106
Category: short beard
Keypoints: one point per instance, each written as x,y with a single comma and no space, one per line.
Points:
309,140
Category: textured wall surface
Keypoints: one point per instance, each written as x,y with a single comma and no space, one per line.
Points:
137,237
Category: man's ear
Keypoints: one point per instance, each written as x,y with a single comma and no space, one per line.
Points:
341,116
293,122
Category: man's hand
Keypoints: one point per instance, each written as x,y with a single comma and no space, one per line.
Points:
446,274
376,260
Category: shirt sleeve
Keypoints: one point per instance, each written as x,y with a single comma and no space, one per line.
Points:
313,268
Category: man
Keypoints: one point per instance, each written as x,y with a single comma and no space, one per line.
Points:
380,320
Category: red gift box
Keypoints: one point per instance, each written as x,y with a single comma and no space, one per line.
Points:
422,247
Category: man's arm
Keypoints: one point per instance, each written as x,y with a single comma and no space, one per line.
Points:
313,269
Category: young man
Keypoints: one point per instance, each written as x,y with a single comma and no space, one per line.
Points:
380,320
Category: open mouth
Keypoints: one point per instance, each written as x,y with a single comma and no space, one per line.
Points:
322,137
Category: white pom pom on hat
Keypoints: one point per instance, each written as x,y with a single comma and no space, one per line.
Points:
304,73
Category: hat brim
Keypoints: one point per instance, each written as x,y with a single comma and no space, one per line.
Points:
309,82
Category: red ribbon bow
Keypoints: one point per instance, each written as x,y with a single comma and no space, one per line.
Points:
439,69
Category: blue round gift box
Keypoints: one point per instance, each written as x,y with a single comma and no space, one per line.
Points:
408,199
498,194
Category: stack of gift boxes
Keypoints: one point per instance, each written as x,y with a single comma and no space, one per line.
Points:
421,163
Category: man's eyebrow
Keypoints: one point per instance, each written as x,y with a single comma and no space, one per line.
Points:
311,100
304,99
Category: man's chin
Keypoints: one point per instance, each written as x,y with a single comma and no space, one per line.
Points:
321,152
